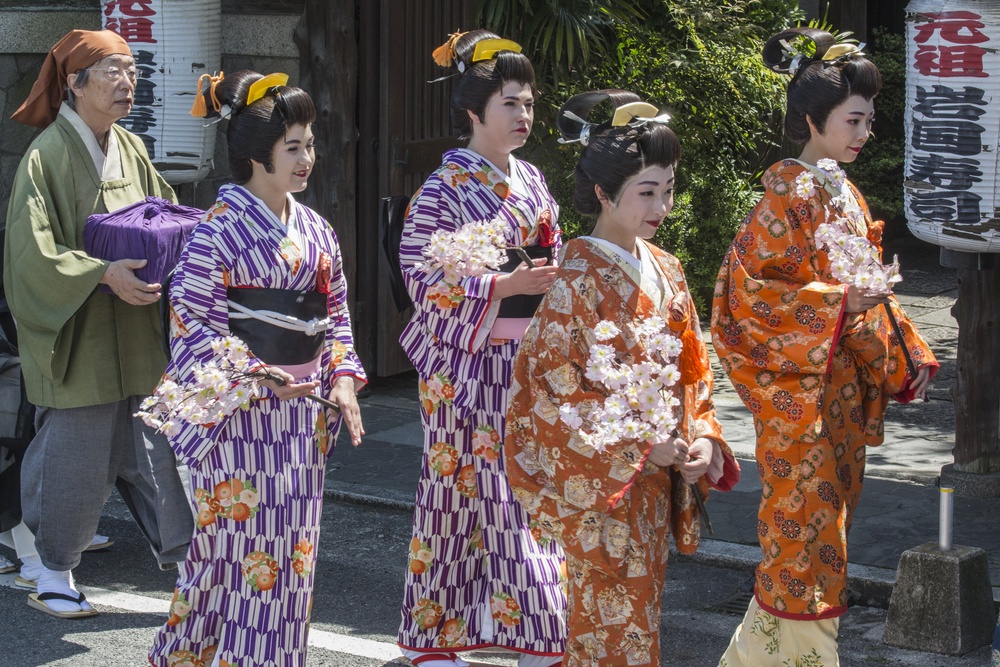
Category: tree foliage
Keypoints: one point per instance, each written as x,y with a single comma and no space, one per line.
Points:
697,59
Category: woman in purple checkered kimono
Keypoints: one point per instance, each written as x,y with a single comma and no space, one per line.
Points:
244,594
476,577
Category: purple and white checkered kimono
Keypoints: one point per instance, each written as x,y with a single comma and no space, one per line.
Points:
256,479
476,576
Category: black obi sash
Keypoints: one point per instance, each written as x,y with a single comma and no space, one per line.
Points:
272,344
522,305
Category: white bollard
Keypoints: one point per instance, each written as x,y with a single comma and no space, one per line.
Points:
945,518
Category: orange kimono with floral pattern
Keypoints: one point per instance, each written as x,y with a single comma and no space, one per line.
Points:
612,512
817,380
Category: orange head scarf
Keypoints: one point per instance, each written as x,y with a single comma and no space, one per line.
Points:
77,50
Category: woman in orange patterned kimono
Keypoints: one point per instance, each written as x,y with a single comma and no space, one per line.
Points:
613,511
813,359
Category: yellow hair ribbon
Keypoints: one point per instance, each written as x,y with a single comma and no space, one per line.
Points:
199,109
445,54
260,87
627,112
487,48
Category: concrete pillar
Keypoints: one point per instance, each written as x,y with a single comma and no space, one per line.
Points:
942,601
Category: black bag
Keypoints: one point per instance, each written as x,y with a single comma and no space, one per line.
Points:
390,232
522,305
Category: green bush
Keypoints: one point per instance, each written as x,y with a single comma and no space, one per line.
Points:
700,61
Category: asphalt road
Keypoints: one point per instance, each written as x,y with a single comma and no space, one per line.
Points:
356,612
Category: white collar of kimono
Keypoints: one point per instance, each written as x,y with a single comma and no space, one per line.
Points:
513,178
645,265
109,166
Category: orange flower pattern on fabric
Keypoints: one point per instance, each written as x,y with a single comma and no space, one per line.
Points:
443,459
445,296
338,352
260,570
453,633
321,435
179,608
218,208
505,609
436,390
302,558
817,381
427,613
421,556
466,482
233,499
453,175
486,443
177,326
191,659
291,253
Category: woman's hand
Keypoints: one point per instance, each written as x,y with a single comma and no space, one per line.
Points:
290,388
344,395
670,451
525,280
859,302
699,459
120,277
921,382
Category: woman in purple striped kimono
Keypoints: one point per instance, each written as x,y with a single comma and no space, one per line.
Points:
244,594
476,575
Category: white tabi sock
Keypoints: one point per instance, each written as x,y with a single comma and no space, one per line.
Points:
53,581
31,567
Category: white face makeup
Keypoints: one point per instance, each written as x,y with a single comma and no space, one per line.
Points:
847,130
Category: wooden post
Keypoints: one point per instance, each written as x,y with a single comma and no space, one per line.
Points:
329,73
977,390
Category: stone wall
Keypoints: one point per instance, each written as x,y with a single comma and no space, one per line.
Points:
262,42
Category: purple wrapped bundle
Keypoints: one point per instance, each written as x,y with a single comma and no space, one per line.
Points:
153,229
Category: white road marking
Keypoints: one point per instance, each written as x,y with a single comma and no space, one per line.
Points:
330,641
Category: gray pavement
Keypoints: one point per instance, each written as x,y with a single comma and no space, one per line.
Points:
899,506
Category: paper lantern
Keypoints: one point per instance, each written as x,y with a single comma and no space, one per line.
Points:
173,43
953,123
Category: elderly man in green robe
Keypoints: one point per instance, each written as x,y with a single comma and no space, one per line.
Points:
87,356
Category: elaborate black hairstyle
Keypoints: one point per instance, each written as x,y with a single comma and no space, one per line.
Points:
479,79
255,128
612,153
823,76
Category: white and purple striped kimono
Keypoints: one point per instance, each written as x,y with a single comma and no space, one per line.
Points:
476,577
256,479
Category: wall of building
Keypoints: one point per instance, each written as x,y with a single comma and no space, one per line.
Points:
250,40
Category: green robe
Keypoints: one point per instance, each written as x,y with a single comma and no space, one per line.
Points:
79,346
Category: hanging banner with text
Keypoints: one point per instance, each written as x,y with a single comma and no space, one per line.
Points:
953,123
173,43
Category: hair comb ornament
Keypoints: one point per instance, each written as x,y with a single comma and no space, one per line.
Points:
840,54
797,50
636,114
633,114
487,49
264,87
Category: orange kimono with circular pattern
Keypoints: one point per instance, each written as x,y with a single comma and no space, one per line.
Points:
817,380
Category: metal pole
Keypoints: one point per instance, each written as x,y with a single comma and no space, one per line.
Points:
945,518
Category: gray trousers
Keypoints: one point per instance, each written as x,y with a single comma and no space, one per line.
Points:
72,463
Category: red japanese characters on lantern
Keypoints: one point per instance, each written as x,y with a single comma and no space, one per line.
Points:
173,43
953,123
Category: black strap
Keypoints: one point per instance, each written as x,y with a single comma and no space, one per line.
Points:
60,596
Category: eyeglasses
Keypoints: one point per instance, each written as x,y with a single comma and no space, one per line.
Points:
116,73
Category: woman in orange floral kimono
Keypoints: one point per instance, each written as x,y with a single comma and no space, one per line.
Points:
813,359
613,511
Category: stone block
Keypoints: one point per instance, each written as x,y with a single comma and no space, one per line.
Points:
942,601
971,484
